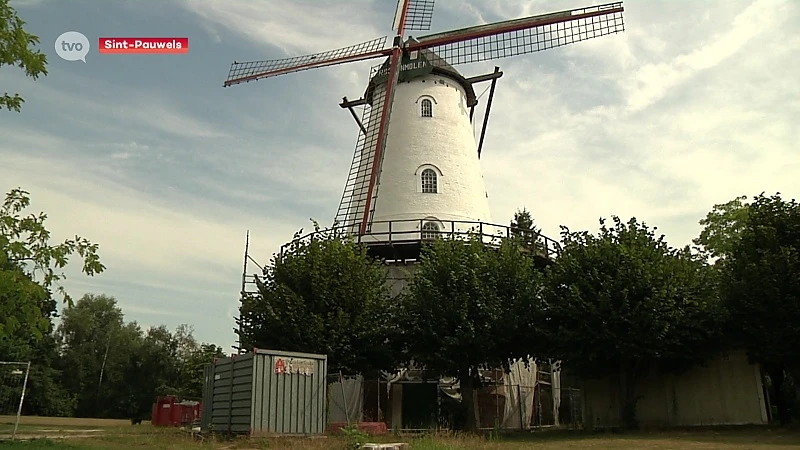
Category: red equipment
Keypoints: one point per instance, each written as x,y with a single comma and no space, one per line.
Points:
168,412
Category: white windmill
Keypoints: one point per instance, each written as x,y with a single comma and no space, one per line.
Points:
415,171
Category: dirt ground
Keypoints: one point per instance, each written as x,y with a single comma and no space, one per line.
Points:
34,427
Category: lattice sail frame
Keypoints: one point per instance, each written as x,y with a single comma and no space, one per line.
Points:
494,43
418,16
353,203
242,72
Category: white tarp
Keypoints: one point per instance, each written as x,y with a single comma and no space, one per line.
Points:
520,387
346,402
556,377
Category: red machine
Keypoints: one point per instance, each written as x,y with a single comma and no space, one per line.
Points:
168,412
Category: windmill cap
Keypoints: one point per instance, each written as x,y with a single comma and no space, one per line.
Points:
439,67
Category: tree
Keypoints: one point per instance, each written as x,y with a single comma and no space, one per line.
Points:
97,349
22,307
624,303
327,296
166,363
190,357
152,370
471,306
191,370
525,230
115,369
722,227
25,243
523,221
15,50
22,302
27,308
762,289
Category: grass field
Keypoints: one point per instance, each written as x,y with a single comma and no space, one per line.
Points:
95,434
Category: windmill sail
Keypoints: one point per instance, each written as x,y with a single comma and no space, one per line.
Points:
523,36
357,197
241,72
354,198
418,15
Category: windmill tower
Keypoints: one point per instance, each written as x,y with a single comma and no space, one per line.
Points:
429,175
415,170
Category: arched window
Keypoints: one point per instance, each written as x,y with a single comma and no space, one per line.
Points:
426,108
429,182
429,230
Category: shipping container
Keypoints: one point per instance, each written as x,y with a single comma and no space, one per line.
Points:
266,392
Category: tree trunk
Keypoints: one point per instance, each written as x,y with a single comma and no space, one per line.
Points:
468,399
628,375
777,377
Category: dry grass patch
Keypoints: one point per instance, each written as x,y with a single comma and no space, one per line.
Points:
65,422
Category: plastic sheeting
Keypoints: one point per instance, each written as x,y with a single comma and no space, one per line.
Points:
556,370
346,400
520,387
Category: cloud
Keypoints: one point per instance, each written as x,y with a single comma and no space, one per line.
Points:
132,109
275,23
652,82
26,3
179,258
136,231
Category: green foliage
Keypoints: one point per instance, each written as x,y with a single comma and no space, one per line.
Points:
21,305
524,221
27,308
355,437
524,229
762,281
762,289
469,306
469,303
136,366
324,295
722,227
15,50
623,303
31,309
97,345
25,243
46,394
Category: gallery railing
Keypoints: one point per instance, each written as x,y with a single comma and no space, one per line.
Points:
417,231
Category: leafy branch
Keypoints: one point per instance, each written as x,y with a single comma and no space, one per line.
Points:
15,50
25,243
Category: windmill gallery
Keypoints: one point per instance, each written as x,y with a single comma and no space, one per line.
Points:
416,174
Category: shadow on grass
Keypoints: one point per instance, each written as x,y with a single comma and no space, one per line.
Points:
731,435
39,444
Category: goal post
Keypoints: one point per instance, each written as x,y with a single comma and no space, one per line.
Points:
13,385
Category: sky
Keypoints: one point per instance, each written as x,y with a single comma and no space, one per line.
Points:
149,156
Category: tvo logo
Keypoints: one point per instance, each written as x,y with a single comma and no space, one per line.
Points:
72,46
